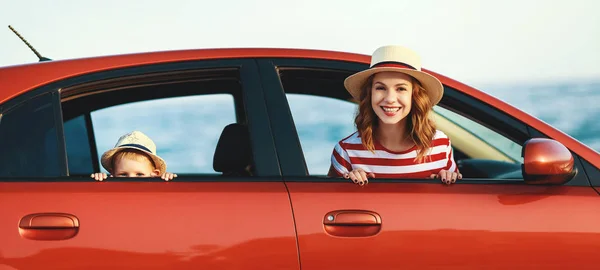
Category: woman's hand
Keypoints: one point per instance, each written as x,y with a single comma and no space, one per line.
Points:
168,176
447,177
359,176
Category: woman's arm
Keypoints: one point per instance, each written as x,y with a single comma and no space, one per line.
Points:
332,172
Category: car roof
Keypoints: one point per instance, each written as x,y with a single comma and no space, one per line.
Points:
19,79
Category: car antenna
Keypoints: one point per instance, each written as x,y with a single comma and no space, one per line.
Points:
30,47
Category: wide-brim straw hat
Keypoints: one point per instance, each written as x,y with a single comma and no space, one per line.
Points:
396,59
138,141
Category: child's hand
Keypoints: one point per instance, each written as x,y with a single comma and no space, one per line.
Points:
447,177
98,176
168,176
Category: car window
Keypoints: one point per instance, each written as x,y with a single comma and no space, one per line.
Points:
183,112
29,141
185,130
321,122
494,139
323,116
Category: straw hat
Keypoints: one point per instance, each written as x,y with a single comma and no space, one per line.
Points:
396,59
138,141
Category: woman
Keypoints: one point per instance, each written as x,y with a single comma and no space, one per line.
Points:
395,137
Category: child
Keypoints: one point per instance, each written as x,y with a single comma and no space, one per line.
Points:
134,155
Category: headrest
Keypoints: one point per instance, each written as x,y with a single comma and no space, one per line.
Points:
233,152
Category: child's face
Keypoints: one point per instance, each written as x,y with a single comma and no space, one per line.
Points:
134,167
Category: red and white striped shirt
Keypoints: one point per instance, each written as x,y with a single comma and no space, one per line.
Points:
350,154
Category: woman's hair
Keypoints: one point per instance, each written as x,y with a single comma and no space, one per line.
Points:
421,128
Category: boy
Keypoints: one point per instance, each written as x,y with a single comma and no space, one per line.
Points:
134,155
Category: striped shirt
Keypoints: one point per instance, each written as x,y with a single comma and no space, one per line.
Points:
350,154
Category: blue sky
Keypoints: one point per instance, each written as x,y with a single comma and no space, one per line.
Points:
476,42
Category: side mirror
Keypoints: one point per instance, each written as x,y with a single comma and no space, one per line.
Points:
547,161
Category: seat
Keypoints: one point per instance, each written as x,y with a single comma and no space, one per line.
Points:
233,154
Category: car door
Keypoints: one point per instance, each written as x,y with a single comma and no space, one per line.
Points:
54,216
489,220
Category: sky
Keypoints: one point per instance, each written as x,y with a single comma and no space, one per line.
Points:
475,42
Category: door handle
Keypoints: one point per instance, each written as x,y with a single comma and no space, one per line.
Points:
49,226
352,223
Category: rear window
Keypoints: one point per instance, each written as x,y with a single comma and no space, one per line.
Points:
28,139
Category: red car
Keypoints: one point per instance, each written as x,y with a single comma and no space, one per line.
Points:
529,197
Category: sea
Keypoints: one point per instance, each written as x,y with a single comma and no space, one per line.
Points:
186,130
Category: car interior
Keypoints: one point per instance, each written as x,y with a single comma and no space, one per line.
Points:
235,138
475,157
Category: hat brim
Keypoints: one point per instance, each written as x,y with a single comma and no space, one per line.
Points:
106,158
432,85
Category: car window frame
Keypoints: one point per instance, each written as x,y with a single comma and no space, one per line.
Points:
263,147
289,149
288,144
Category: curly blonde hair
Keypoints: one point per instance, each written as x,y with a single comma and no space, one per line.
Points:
421,127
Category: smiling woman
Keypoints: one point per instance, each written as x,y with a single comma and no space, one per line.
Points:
395,137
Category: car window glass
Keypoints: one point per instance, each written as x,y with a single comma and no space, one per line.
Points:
28,140
78,146
185,129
